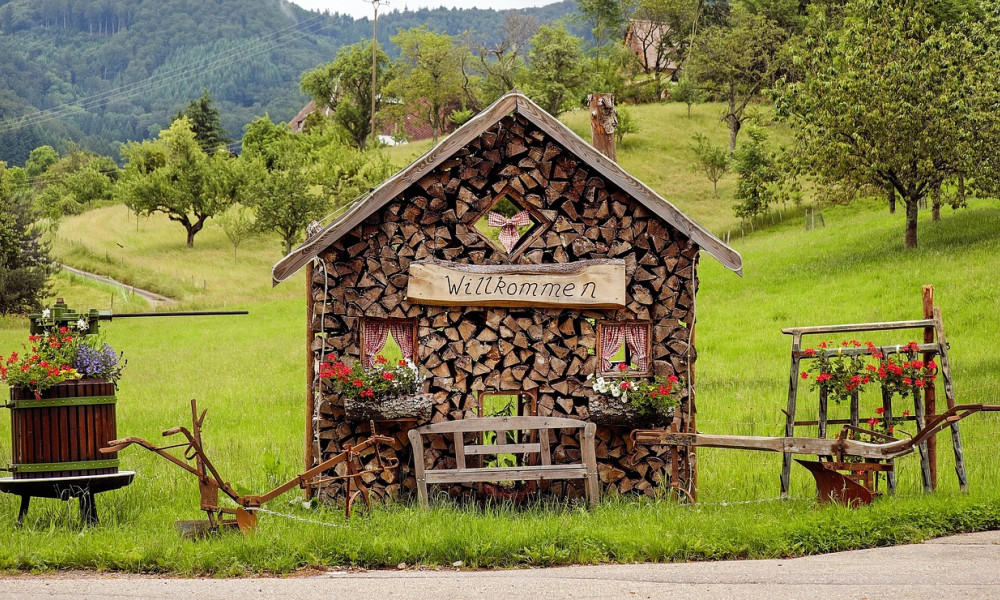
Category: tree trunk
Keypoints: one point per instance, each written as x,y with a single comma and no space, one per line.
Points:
734,129
912,206
936,202
891,193
961,190
288,245
190,235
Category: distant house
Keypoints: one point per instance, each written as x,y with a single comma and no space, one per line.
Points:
411,126
646,39
299,120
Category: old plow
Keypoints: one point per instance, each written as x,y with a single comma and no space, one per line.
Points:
243,516
831,485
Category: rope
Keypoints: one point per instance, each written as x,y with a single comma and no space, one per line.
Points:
294,517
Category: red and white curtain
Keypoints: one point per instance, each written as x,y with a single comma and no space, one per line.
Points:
636,337
376,333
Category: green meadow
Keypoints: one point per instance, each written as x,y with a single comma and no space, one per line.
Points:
248,371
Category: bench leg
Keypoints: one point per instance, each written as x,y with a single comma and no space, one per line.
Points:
23,512
593,490
422,493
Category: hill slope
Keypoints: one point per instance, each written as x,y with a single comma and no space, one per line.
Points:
104,73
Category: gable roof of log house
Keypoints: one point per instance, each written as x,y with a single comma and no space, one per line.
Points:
512,102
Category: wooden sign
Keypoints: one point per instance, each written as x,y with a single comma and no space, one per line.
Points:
581,284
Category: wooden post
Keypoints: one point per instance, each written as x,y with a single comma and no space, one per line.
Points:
890,476
925,464
930,400
824,400
603,123
793,390
310,375
949,396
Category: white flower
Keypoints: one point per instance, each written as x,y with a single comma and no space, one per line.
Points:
589,377
624,397
616,392
82,325
46,313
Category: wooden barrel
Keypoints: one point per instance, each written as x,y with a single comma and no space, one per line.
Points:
61,434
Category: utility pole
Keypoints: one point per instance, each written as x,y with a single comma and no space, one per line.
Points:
375,4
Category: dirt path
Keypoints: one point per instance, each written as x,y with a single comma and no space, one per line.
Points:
155,300
962,566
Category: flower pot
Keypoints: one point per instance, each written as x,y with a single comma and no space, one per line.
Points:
613,412
410,406
62,433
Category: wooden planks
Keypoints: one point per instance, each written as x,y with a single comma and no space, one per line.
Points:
585,469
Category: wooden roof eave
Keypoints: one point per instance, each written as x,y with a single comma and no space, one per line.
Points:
514,101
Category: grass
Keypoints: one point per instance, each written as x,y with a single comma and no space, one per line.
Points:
248,372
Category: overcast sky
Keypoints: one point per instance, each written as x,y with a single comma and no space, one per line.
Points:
361,8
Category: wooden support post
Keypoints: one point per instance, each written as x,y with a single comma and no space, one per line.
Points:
793,390
692,425
824,404
603,123
925,464
310,376
949,396
890,476
930,399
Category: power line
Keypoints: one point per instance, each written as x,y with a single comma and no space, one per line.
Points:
179,74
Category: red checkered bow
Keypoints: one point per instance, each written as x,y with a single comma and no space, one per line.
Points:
508,227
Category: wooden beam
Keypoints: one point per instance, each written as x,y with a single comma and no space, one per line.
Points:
310,378
930,394
885,326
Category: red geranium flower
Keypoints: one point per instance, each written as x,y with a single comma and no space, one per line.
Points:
358,383
381,359
622,367
387,376
805,375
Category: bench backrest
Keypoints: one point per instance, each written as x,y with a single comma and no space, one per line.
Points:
500,425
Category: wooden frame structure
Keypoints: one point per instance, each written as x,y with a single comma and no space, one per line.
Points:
545,469
934,345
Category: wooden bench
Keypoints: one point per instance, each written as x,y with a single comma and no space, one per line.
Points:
545,470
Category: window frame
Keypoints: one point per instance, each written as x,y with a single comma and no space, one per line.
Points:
631,373
361,335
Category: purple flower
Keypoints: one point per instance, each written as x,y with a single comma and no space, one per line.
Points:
98,363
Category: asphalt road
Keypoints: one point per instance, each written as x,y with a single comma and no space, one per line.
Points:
952,568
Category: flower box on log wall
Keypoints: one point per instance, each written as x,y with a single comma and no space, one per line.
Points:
614,412
410,406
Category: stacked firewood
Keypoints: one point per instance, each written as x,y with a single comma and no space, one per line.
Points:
465,351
